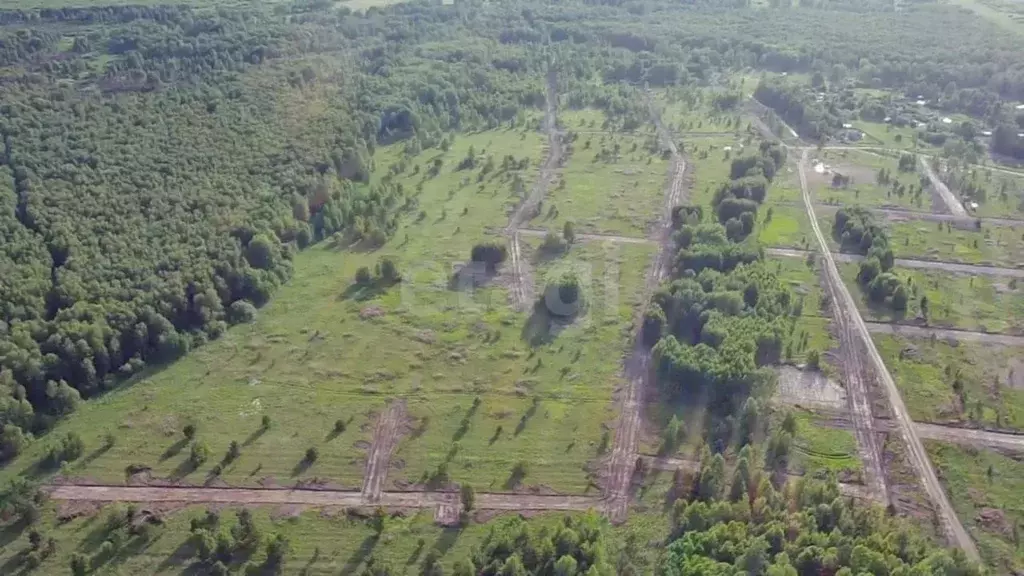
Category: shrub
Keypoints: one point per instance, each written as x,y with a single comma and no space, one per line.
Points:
363,276
199,454
489,253
189,431
339,426
234,451
265,422
241,312
312,454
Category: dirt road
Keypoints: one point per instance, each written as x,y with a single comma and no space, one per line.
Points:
972,437
915,449
591,237
385,439
621,464
314,498
945,334
522,286
951,201
957,268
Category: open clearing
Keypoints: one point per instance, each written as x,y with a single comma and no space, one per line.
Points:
926,369
851,177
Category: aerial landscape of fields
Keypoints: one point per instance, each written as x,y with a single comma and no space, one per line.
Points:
588,287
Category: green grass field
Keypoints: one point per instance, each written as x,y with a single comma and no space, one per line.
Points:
788,226
611,184
322,351
954,300
1002,193
991,506
925,371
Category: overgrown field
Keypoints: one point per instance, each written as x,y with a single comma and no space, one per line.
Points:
982,303
987,490
957,383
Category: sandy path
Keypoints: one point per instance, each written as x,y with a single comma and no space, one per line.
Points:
385,439
637,369
955,267
522,287
915,449
591,237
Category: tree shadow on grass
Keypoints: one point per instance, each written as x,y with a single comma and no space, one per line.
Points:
361,554
174,449
182,556
447,539
361,292
183,469
515,478
254,436
301,467
11,532
538,329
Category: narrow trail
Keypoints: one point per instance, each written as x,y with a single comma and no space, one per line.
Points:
637,368
378,460
522,287
944,334
848,313
957,268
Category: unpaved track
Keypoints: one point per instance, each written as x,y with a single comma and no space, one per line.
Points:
1001,441
385,439
954,205
522,288
314,498
944,334
915,449
591,237
637,369
973,269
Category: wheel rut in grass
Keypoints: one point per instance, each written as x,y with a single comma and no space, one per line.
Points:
385,438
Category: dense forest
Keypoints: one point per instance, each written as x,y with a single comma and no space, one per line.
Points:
156,178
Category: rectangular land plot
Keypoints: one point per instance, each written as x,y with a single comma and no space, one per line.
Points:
544,404
981,303
925,370
851,177
611,184
992,244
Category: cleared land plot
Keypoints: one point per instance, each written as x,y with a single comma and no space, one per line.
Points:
590,122
997,193
991,379
786,226
811,326
611,184
542,405
889,136
324,350
994,245
850,177
982,303
987,491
